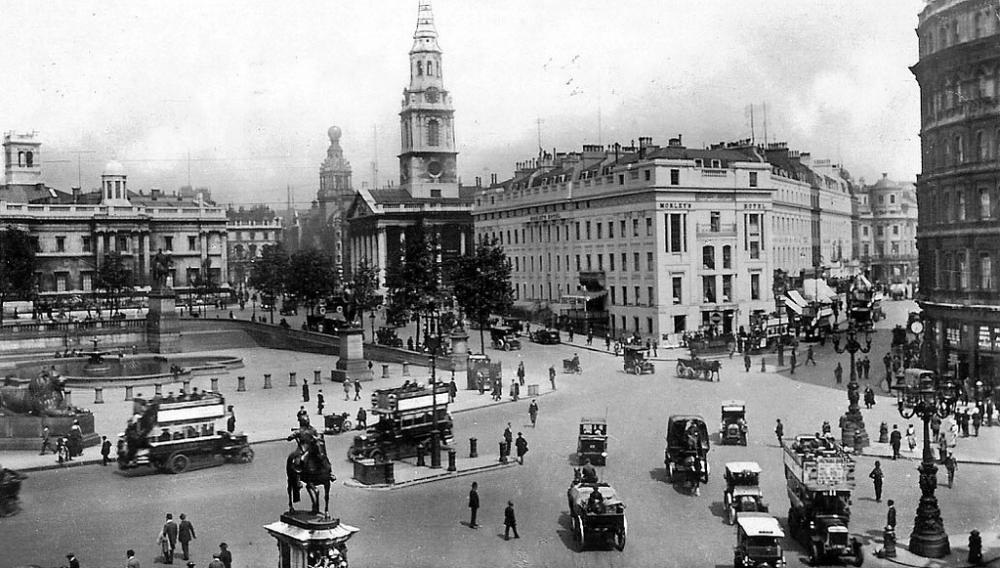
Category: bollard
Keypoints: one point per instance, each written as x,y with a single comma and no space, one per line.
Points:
503,451
98,395
317,379
215,384
187,386
385,370
406,369
889,539
389,472
420,455
241,384
473,450
975,548
129,395
451,460
291,378
267,380
158,390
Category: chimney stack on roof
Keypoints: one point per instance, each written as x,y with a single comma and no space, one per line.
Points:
675,142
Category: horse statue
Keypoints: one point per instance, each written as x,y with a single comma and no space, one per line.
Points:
309,466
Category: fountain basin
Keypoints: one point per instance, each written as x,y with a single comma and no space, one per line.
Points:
125,370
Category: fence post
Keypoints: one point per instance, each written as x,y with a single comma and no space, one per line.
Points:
291,378
267,380
98,395
385,370
215,384
129,393
317,380
241,384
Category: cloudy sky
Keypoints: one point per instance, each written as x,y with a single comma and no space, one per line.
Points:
240,94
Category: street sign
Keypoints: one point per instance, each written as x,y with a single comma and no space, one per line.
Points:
716,317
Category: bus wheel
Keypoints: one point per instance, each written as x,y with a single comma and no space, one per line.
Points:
178,463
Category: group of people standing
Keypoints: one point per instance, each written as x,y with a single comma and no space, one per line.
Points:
173,533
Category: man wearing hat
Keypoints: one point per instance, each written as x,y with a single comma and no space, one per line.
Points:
73,562
216,563
225,556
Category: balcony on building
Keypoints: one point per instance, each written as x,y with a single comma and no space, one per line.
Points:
709,230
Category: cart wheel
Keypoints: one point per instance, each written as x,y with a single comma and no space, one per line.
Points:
246,455
680,369
377,455
346,427
580,536
575,521
622,535
691,373
732,515
670,472
506,346
178,463
815,553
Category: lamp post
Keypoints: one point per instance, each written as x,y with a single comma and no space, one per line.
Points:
852,424
932,397
372,316
435,434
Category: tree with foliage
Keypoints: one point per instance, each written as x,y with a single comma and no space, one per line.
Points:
482,285
311,277
363,287
412,282
17,266
267,275
115,278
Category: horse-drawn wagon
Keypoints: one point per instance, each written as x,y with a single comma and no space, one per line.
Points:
598,513
696,368
686,454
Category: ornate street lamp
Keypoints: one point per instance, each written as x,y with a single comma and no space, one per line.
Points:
435,434
852,424
932,397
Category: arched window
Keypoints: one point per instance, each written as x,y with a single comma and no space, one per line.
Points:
430,68
20,159
708,257
433,133
420,68
727,257
982,147
943,37
29,159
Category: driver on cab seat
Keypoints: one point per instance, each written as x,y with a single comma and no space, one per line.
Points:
595,503
576,360
589,474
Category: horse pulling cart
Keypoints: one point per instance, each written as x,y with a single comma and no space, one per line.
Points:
696,368
598,514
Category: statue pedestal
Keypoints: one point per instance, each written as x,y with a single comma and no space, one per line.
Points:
852,426
352,364
306,540
162,325
460,351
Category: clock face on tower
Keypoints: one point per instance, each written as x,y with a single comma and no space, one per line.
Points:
434,168
431,95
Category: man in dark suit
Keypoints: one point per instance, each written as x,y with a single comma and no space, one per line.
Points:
185,534
225,556
170,532
509,521
474,504
895,440
890,516
105,450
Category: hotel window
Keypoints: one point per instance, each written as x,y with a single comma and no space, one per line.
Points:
960,206
600,262
755,286
635,227
612,295
624,262
578,263
577,230
86,244
624,296
168,243
192,243
708,257
985,271
638,302
716,164
558,263
517,264
753,179
677,283
649,226
984,203
588,262
649,325
708,289
635,261
727,288
60,244
621,179
611,262
123,241
635,322
754,250
895,230
611,229
680,324
676,232
649,294
727,256
600,231
621,227
648,174
588,230
963,271
649,262
675,177
880,231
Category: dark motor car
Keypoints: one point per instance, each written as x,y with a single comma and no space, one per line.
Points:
546,337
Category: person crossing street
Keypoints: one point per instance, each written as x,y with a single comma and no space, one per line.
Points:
533,412
877,477
809,356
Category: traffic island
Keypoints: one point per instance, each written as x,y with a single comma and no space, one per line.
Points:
406,473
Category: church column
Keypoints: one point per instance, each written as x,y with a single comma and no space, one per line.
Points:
145,257
381,259
136,256
112,241
99,239
462,235
203,238
224,257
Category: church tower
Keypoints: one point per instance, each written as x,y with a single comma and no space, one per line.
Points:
428,159
334,198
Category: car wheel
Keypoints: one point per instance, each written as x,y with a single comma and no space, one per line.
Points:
680,370
580,535
346,426
506,346
178,463
732,515
621,535
377,455
246,455
670,472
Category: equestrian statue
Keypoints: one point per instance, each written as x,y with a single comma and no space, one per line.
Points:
308,465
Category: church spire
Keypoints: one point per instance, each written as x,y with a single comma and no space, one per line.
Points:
425,36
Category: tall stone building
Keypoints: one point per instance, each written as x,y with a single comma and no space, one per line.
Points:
428,194
887,231
958,235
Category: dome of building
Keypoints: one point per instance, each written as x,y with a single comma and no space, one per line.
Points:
114,168
334,134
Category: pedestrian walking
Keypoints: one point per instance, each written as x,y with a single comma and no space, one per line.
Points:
887,361
977,421
746,361
362,419
890,514
474,505
895,440
357,390
347,388
320,402
877,477
509,520
911,437
185,534
215,563
302,416
809,356
571,334
130,560
552,377
654,348
794,362
225,556
867,366
522,448
520,373
763,367
168,539
508,437
515,390
305,391
779,431
46,441
452,390
481,381
838,373
533,412
231,422
859,368
105,450
883,433
951,464
935,426
869,397
607,342
942,441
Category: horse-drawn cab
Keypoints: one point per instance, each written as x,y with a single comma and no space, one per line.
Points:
758,541
686,454
597,512
10,490
743,493
572,365
734,423
697,368
592,443
637,360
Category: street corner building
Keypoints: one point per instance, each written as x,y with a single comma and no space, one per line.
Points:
958,235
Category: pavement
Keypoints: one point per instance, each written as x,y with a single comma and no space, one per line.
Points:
255,408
